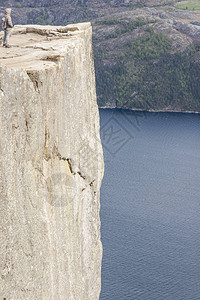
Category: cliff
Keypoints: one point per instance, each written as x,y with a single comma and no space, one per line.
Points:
51,166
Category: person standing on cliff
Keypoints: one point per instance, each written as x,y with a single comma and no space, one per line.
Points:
7,27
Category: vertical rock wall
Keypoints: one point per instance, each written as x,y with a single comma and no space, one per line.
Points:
51,166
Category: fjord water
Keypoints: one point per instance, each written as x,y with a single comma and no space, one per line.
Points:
150,206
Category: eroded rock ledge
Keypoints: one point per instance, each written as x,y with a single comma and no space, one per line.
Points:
51,165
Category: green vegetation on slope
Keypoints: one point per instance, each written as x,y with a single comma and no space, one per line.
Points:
148,74
124,27
190,4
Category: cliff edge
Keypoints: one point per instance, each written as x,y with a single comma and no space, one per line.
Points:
51,165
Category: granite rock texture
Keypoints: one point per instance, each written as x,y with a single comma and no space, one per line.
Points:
51,166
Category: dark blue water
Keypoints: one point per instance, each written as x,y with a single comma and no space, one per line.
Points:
150,206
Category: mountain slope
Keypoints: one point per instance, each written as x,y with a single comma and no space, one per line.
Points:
146,52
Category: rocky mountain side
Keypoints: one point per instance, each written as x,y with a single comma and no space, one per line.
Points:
148,59
146,52
61,12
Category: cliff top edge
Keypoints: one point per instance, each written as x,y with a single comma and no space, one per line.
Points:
39,46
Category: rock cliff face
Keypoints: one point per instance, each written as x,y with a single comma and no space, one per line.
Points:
51,166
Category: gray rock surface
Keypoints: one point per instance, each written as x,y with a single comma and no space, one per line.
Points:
51,166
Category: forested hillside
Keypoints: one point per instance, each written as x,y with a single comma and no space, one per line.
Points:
147,63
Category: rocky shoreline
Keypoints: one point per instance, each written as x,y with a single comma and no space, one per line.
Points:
150,110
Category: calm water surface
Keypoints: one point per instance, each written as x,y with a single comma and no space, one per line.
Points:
150,206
